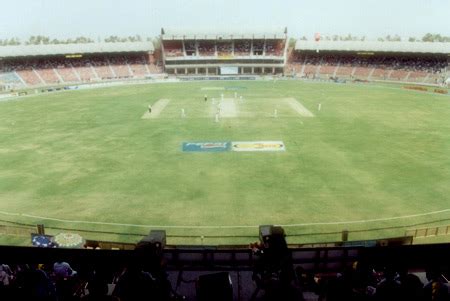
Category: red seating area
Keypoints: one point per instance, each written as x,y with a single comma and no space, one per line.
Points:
398,74
154,69
29,77
380,73
102,67
138,65
397,68
327,70
84,69
120,66
59,70
362,72
67,73
173,48
417,75
49,76
344,71
310,70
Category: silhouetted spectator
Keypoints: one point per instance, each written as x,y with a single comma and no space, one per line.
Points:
34,284
389,287
134,284
63,270
412,288
437,288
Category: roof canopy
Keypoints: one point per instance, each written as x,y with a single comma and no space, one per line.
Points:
370,46
61,49
225,34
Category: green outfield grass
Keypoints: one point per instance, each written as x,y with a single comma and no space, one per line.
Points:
372,152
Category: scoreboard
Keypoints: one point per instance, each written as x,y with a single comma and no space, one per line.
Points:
229,70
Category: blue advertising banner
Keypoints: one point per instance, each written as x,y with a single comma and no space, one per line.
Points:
206,146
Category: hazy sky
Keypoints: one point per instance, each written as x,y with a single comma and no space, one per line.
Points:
101,18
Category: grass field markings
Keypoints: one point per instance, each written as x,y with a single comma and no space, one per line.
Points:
157,108
227,227
228,108
298,107
369,220
212,88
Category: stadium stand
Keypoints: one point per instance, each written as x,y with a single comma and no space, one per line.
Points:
40,65
206,48
224,48
274,47
84,70
10,79
173,48
395,61
139,65
190,48
258,47
30,77
242,47
67,73
203,53
206,54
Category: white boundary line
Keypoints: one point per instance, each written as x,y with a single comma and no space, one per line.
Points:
225,227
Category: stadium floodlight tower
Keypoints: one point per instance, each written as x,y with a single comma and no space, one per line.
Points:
224,53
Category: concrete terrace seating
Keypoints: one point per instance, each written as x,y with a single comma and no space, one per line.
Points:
412,69
57,70
84,70
417,75
344,71
29,77
362,72
310,70
379,73
137,65
102,68
120,67
327,70
67,73
9,78
154,69
398,74
48,75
